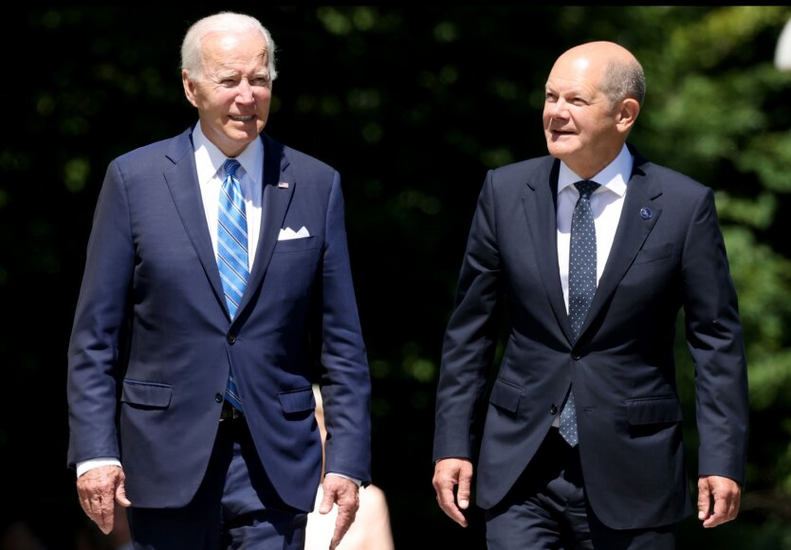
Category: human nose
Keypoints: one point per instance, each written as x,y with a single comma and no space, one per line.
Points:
556,113
245,92
557,109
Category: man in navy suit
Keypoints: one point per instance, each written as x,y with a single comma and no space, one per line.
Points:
614,476
155,340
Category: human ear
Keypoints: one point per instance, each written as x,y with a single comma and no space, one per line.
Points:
627,114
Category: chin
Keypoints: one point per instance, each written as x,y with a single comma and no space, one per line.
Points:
242,139
561,149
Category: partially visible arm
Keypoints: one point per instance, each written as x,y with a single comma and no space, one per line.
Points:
714,336
93,355
344,377
471,336
374,519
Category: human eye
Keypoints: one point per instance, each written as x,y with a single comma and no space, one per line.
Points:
260,80
228,80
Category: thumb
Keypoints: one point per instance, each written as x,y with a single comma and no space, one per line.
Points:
463,491
326,503
120,495
704,499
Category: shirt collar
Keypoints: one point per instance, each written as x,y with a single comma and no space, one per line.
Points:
614,176
209,159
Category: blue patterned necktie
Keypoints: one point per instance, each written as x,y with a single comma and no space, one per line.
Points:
582,286
232,258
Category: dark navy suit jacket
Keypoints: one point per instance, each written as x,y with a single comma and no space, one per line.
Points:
152,328
668,254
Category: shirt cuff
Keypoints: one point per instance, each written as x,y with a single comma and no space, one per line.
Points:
86,465
358,482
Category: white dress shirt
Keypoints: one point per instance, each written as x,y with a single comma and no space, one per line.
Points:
208,161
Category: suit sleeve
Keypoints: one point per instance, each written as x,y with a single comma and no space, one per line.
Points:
99,321
715,340
345,379
471,336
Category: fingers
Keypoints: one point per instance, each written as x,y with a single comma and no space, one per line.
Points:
463,490
97,490
346,515
453,474
726,496
704,499
345,493
326,502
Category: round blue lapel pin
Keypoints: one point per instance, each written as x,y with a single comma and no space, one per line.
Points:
646,213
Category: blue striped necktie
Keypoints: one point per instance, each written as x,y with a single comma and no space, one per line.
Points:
582,286
232,257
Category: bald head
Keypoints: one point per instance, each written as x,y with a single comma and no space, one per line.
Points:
616,69
593,97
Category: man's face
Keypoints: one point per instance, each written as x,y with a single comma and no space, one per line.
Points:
580,125
233,91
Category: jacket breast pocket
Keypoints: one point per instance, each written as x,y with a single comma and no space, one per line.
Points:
654,253
297,245
146,395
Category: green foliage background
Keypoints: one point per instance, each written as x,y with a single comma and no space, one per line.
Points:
412,105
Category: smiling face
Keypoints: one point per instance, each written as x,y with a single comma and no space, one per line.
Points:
583,126
233,90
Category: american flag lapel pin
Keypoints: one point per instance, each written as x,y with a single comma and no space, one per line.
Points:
282,185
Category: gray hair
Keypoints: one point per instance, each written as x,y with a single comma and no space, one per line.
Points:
624,80
192,47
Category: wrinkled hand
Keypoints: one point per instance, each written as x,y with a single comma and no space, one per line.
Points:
98,490
449,473
345,493
725,494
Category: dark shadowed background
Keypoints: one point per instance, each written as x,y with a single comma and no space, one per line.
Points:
412,106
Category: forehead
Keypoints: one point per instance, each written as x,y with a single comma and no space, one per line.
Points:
574,75
246,50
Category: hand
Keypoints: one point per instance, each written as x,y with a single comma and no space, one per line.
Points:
726,495
345,493
98,490
448,473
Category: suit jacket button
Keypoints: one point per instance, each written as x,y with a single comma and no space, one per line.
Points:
218,397
553,410
231,339
576,355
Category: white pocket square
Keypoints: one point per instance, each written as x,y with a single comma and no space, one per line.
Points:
288,234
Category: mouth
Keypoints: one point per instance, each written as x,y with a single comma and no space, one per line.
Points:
242,118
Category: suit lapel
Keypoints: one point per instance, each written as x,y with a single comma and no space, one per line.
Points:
540,205
274,203
641,210
183,183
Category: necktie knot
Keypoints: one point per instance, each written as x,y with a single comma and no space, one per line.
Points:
231,166
586,188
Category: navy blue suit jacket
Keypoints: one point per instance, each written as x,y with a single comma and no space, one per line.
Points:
668,254
152,341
